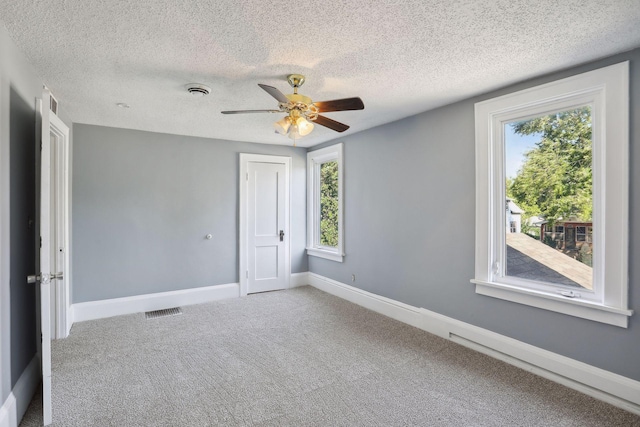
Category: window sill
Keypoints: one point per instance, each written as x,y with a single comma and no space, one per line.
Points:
321,253
572,307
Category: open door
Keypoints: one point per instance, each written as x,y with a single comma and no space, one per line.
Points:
52,259
43,260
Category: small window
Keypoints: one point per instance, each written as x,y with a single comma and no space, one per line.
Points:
324,205
555,150
329,204
513,227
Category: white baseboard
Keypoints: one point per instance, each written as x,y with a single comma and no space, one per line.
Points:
8,417
390,308
93,310
26,386
612,388
299,279
20,397
128,305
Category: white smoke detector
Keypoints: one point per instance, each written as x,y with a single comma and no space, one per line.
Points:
197,89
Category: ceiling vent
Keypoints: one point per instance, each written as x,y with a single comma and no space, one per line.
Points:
197,89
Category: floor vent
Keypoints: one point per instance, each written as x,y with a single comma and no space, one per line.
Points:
162,313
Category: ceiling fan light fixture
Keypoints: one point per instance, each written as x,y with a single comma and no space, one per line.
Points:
304,126
282,126
294,133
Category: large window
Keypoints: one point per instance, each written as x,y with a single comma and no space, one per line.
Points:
559,152
549,174
324,208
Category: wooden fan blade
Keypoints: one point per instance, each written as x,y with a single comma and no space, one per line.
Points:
275,93
250,111
340,105
331,124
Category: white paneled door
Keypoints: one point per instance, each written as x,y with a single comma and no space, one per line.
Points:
265,232
52,258
43,264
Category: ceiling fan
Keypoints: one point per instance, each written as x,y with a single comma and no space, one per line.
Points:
302,111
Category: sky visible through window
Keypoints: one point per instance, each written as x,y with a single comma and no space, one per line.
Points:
516,146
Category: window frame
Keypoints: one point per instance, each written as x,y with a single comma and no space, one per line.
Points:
314,161
606,90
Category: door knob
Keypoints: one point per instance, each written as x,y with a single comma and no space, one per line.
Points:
33,278
281,235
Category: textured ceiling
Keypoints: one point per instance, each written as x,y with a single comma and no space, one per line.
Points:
401,57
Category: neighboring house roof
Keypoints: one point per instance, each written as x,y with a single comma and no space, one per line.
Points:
532,259
513,208
537,221
561,222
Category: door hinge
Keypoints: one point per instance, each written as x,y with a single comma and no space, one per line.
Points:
247,275
40,241
40,145
247,176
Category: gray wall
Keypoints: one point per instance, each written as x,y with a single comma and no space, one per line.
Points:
143,202
23,234
409,230
19,86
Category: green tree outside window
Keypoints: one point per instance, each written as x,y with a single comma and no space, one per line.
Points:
329,204
556,180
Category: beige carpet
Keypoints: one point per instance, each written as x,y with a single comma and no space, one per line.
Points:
295,358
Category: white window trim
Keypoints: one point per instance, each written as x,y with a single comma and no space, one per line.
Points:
314,160
606,90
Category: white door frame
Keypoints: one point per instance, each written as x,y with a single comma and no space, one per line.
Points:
43,260
60,154
50,216
245,159
4,248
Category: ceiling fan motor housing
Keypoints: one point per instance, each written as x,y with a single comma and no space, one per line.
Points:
300,105
299,99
